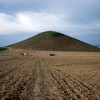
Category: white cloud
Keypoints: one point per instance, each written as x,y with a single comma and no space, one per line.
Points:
41,21
29,22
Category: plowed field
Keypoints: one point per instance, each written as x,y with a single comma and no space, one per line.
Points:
69,76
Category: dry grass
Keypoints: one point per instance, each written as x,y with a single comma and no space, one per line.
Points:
66,76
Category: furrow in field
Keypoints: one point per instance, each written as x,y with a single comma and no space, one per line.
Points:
64,93
84,90
19,82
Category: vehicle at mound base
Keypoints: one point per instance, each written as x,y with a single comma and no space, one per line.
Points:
24,54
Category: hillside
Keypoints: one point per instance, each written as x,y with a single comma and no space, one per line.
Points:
54,41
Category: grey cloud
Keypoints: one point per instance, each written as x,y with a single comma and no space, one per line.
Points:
80,16
85,9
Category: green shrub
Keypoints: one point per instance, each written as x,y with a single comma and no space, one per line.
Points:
2,48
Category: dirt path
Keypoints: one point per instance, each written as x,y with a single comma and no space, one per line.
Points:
45,93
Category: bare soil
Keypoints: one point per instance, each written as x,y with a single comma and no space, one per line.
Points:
39,76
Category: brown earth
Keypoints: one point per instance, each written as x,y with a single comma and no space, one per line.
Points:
54,41
65,76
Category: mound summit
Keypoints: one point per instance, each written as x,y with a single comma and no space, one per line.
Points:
54,41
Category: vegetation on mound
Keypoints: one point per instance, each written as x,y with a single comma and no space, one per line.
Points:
54,41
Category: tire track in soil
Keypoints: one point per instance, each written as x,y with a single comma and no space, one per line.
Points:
45,93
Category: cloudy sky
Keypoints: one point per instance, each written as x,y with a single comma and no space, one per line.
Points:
20,19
